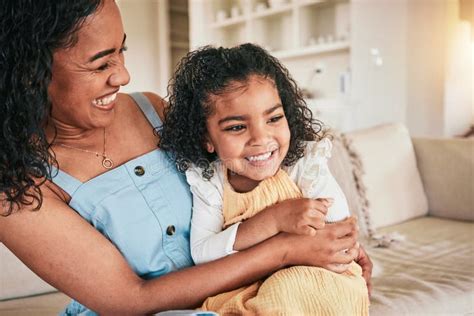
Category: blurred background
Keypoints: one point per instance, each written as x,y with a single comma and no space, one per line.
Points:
359,63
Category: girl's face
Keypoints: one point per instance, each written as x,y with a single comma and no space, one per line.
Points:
87,76
249,132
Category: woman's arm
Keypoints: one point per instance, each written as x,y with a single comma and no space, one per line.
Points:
67,252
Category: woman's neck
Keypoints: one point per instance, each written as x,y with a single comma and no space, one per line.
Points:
60,133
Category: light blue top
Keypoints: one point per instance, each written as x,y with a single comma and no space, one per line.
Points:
146,216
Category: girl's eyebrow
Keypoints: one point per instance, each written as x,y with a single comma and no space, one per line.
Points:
232,118
272,109
243,117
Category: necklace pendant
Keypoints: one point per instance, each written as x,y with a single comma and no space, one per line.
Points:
107,163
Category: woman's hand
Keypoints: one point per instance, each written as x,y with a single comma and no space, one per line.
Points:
326,248
366,264
303,217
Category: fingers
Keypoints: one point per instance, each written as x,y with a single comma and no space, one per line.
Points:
347,227
338,268
328,202
308,230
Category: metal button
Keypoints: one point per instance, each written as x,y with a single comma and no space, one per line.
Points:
139,171
170,230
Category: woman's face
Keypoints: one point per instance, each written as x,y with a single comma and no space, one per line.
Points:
87,76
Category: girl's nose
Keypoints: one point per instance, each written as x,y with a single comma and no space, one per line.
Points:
258,136
120,76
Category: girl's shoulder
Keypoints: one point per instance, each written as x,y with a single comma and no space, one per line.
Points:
207,189
315,153
318,149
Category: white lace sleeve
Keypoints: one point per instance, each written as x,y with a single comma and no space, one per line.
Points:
311,174
208,240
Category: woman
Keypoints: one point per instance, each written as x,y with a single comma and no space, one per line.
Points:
88,201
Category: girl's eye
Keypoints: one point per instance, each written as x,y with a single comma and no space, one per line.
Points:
276,118
234,128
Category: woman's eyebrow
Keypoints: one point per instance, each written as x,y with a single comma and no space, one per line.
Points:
105,52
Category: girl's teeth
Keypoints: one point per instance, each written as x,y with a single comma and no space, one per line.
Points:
260,157
105,101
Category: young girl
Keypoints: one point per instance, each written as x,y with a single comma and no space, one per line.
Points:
239,127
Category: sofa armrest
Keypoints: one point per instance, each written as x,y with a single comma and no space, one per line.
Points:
447,169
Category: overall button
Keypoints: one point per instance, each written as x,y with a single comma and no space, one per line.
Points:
139,171
170,230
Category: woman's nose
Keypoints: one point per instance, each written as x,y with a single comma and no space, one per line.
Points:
120,76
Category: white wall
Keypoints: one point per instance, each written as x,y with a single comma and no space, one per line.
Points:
426,56
425,81
459,84
378,91
142,58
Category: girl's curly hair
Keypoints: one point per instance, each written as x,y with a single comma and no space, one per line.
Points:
210,71
30,31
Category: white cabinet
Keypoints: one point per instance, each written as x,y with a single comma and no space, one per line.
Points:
310,37
361,62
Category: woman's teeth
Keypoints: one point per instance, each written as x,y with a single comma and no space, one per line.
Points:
260,157
105,101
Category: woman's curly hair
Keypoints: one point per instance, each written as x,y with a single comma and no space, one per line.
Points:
210,71
30,32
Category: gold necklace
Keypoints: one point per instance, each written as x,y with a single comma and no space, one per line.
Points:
107,163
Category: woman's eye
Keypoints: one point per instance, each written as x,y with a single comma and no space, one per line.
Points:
123,49
276,118
234,128
103,67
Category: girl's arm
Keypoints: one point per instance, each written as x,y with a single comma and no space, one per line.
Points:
210,242
67,252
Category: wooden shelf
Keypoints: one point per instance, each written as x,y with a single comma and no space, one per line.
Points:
180,45
312,50
303,3
229,22
272,11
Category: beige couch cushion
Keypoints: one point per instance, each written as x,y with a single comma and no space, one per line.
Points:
41,305
394,188
430,273
342,168
447,171
16,279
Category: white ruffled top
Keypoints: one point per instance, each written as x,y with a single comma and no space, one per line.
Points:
311,174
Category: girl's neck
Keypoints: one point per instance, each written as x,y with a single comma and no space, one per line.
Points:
240,183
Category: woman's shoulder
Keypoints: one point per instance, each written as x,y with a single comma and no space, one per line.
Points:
159,104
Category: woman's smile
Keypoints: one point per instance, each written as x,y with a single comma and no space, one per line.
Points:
106,102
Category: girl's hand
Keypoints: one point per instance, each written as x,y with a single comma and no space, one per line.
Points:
326,248
303,216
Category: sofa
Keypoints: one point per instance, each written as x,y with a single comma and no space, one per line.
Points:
415,202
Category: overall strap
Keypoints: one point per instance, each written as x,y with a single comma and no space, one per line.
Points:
65,181
147,109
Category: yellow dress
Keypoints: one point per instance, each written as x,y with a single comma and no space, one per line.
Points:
298,290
